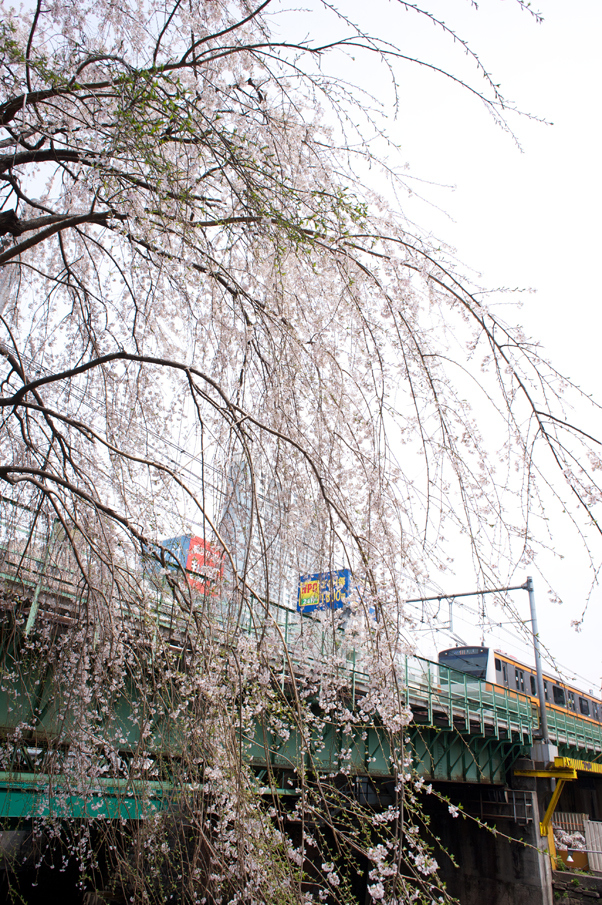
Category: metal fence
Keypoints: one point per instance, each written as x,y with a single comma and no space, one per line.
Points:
34,565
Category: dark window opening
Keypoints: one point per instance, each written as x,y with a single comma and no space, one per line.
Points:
559,696
545,690
532,678
498,665
584,706
571,701
505,674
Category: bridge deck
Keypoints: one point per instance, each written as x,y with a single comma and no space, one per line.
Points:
462,728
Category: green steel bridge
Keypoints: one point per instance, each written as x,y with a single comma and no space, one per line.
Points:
462,730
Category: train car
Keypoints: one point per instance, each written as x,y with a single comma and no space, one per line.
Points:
498,668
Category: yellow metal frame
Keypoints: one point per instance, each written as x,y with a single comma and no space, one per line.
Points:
545,827
552,773
583,766
564,770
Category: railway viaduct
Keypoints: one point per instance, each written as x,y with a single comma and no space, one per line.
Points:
472,741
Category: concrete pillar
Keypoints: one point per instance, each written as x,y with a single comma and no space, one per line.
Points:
530,784
491,869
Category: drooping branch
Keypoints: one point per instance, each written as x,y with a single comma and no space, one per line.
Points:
58,224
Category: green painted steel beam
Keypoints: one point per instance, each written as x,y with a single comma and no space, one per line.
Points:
28,795
498,724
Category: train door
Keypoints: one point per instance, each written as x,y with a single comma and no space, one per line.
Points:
501,672
519,676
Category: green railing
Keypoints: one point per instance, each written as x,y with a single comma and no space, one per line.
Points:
443,696
439,696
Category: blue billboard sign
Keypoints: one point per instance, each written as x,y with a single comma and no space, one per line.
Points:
323,591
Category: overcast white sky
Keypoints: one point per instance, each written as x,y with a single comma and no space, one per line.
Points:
521,219
530,219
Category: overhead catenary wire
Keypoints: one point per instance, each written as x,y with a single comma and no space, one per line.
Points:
552,663
219,493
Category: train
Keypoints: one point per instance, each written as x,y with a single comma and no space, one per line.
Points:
498,668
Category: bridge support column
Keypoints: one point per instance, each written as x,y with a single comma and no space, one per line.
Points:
493,869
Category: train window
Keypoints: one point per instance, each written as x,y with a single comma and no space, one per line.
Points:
532,684
559,696
584,706
545,690
470,660
595,711
505,674
520,679
498,665
571,704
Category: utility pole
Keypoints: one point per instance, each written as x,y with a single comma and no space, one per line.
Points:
543,751
543,718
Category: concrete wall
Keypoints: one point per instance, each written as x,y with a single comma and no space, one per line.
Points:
491,869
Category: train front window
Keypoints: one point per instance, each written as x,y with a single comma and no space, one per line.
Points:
584,706
470,660
559,696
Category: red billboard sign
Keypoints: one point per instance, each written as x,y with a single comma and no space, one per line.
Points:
204,565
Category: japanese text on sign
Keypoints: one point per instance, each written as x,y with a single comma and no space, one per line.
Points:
323,590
